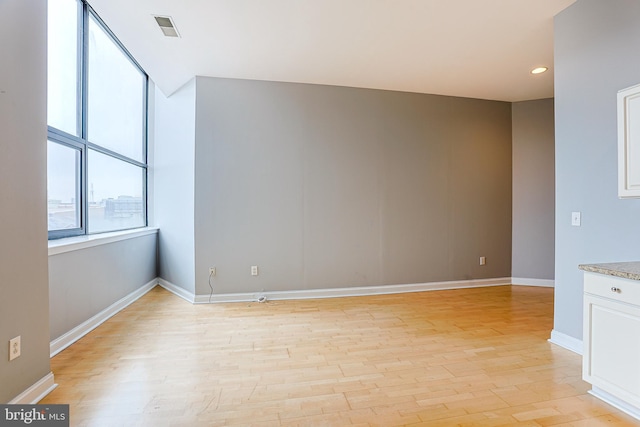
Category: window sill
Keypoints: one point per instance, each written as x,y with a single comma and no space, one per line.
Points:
69,244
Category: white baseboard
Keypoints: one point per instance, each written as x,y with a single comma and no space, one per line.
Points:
522,281
177,290
36,392
566,341
616,402
64,341
334,293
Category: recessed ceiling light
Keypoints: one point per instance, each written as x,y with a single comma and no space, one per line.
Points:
167,26
539,70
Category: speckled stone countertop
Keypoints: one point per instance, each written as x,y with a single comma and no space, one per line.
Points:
626,270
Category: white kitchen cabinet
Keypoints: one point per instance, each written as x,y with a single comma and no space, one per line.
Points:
611,359
629,142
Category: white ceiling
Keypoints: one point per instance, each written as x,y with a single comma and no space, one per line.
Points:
471,48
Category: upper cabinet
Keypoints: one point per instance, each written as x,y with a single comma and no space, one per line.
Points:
629,142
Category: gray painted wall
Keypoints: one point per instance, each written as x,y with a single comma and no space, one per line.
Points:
24,304
533,238
173,169
82,283
596,54
325,187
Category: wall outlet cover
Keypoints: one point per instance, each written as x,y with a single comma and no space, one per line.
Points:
14,348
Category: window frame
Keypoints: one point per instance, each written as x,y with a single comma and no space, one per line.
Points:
59,137
80,140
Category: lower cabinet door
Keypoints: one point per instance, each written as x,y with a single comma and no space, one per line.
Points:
612,348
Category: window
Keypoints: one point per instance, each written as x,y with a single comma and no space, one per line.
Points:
97,134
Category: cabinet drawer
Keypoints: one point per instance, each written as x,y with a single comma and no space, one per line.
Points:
615,288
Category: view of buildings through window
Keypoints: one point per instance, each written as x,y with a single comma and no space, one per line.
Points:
96,112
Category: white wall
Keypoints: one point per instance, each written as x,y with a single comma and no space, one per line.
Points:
24,292
596,55
173,170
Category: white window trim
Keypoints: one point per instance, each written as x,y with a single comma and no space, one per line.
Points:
69,244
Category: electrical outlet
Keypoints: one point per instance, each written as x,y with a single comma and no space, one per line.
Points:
212,271
483,260
254,270
14,348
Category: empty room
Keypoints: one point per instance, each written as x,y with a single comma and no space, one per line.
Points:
306,213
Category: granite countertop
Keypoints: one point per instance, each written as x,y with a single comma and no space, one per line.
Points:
626,270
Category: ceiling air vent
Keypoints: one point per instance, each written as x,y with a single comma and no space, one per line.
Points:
167,26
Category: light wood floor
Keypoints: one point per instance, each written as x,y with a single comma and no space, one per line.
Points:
473,357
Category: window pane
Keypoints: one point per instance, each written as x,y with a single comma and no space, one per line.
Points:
115,96
116,196
63,186
62,75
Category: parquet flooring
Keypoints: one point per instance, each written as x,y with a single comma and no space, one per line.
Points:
469,357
